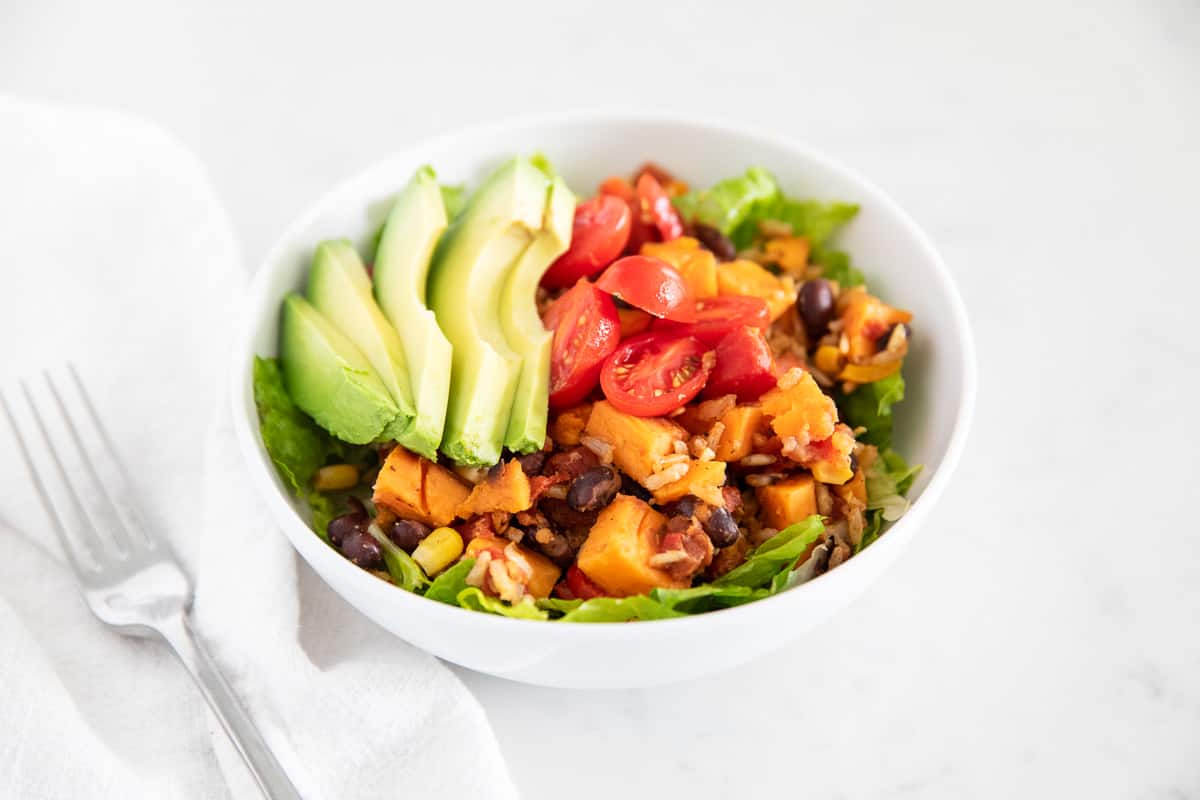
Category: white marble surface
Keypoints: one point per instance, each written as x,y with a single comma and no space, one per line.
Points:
1040,638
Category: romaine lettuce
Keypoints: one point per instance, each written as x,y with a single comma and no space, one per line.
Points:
447,586
474,599
870,406
726,204
779,553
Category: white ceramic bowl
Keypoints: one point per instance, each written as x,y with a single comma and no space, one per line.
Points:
900,263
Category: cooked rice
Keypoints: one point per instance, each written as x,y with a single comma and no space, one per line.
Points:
602,449
762,479
790,378
667,558
772,228
680,447
707,454
475,576
471,474
672,460
668,475
715,433
557,492
758,460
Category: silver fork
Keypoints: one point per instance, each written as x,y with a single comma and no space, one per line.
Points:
129,577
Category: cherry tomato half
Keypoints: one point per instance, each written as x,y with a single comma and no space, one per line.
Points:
586,331
745,366
654,374
717,316
652,285
600,233
657,205
641,230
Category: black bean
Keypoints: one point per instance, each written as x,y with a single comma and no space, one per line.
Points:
634,489
407,533
593,489
717,242
341,527
721,528
361,548
685,506
532,463
816,306
356,507
854,463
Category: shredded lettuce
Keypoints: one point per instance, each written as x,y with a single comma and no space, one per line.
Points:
888,479
619,609
780,552
447,586
870,406
812,219
726,204
297,446
474,599
836,266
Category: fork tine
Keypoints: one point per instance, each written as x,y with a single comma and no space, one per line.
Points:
120,495
124,540
72,551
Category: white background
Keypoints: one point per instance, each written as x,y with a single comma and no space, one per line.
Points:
1041,637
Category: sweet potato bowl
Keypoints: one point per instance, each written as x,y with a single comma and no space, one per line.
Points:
901,264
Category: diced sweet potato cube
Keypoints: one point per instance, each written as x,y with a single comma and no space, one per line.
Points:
639,443
506,491
444,493
866,318
703,479
829,459
413,487
544,572
616,554
789,252
788,501
697,266
567,426
742,277
401,484
737,440
799,409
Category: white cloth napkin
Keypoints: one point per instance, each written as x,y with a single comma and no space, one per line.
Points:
118,256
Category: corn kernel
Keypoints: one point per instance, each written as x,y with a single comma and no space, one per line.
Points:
828,359
335,477
438,550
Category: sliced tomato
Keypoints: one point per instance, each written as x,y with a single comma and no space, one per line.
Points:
581,586
717,316
599,235
656,204
654,374
745,366
652,285
641,229
586,331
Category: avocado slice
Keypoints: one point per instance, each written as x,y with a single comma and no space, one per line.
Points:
340,289
329,378
523,325
406,245
466,277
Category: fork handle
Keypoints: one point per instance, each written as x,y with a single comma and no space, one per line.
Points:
266,769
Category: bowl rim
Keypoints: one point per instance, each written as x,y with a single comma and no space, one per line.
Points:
311,547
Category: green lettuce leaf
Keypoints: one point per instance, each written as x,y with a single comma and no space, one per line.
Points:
619,609
474,599
872,530
779,553
324,509
836,266
447,586
888,479
406,573
706,597
812,219
726,204
870,406
297,446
